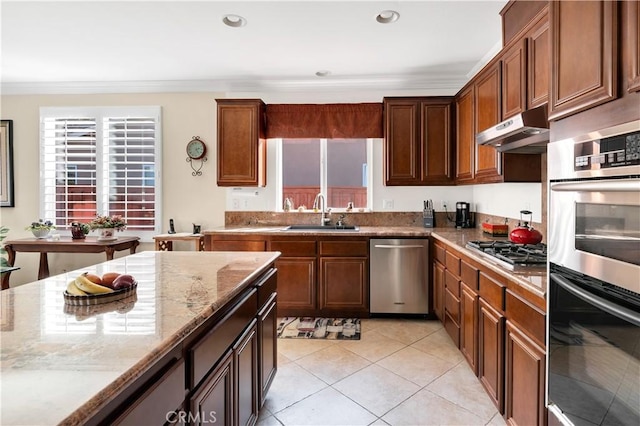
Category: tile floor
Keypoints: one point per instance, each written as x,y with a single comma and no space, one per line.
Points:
401,372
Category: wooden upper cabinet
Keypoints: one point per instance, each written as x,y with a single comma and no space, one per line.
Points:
241,142
402,142
487,114
538,61
632,54
465,136
514,80
437,141
584,52
418,144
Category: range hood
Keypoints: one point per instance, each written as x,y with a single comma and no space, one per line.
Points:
525,133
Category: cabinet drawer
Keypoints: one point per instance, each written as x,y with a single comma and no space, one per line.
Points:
452,306
529,319
165,394
439,253
469,275
491,291
452,263
210,348
452,283
238,245
453,329
344,248
294,248
267,285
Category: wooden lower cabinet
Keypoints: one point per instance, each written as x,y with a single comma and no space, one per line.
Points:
245,360
297,287
215,401
469,325
344,285
438,290
491,325
524,379
268,349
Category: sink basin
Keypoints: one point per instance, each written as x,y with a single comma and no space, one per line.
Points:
352,228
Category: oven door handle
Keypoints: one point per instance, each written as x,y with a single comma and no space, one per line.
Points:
601,303
619,185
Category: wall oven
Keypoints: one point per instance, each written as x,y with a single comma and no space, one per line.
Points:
593,301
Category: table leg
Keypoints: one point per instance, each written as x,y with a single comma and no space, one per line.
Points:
132,250
43,270
11,258
109,251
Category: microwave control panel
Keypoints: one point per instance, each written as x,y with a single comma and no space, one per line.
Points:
606,153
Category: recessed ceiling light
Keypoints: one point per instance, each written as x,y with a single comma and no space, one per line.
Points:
323,73
387,16
234,21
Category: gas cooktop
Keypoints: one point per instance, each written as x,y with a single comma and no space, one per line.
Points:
511,255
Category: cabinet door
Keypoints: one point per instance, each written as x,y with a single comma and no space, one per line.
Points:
402,151
469,326
538,62
631,58
245,353
491,353
525,379
215,401
487,114
514,80
241,142
268,344
438,290
344,285
465,136
584,52
437,159
296,286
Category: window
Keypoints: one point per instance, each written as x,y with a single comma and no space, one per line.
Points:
101,161
335,167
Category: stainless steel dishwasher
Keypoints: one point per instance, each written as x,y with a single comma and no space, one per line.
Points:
399,276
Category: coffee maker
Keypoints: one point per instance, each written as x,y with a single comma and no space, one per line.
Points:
463,215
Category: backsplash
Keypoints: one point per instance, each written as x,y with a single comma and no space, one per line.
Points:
264,218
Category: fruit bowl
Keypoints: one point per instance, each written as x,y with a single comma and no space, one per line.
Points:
121,306
97,299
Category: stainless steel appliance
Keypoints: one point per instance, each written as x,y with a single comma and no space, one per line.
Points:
510,255
464,217
593,301
524,133
399,276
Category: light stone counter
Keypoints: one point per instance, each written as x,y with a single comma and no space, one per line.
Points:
533,279
61,364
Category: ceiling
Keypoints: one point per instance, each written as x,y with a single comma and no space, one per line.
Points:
145,46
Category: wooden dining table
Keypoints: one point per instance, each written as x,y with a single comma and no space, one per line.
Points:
63,245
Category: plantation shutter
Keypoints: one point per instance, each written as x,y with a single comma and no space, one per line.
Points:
69,169
101,161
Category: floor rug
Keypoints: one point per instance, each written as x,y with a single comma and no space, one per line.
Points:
319,328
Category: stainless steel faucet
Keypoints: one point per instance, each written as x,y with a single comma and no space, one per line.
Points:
323,219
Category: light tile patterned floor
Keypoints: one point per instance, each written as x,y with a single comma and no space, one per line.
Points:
401,372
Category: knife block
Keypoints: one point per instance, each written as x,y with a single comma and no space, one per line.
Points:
429,222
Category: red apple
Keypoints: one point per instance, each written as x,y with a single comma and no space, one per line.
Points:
123,281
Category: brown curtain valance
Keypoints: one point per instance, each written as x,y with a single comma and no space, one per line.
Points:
324,120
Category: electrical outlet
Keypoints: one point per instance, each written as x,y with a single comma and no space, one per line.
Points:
387,204
235,203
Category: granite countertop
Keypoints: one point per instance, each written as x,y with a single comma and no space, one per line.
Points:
62,363
534,279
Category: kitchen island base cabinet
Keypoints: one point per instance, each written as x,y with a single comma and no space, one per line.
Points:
245,359
214,402
267,335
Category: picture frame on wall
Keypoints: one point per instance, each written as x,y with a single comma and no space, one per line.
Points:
6,163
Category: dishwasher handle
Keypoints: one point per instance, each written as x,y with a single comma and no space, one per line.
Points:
390,246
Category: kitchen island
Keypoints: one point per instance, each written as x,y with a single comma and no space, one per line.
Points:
148,358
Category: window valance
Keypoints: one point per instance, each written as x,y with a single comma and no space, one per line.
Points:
324,120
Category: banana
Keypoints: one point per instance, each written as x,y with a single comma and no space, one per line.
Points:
73,289
86,285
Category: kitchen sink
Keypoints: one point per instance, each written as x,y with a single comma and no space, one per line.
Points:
352,228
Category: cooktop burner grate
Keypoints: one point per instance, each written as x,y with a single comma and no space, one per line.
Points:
511,253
